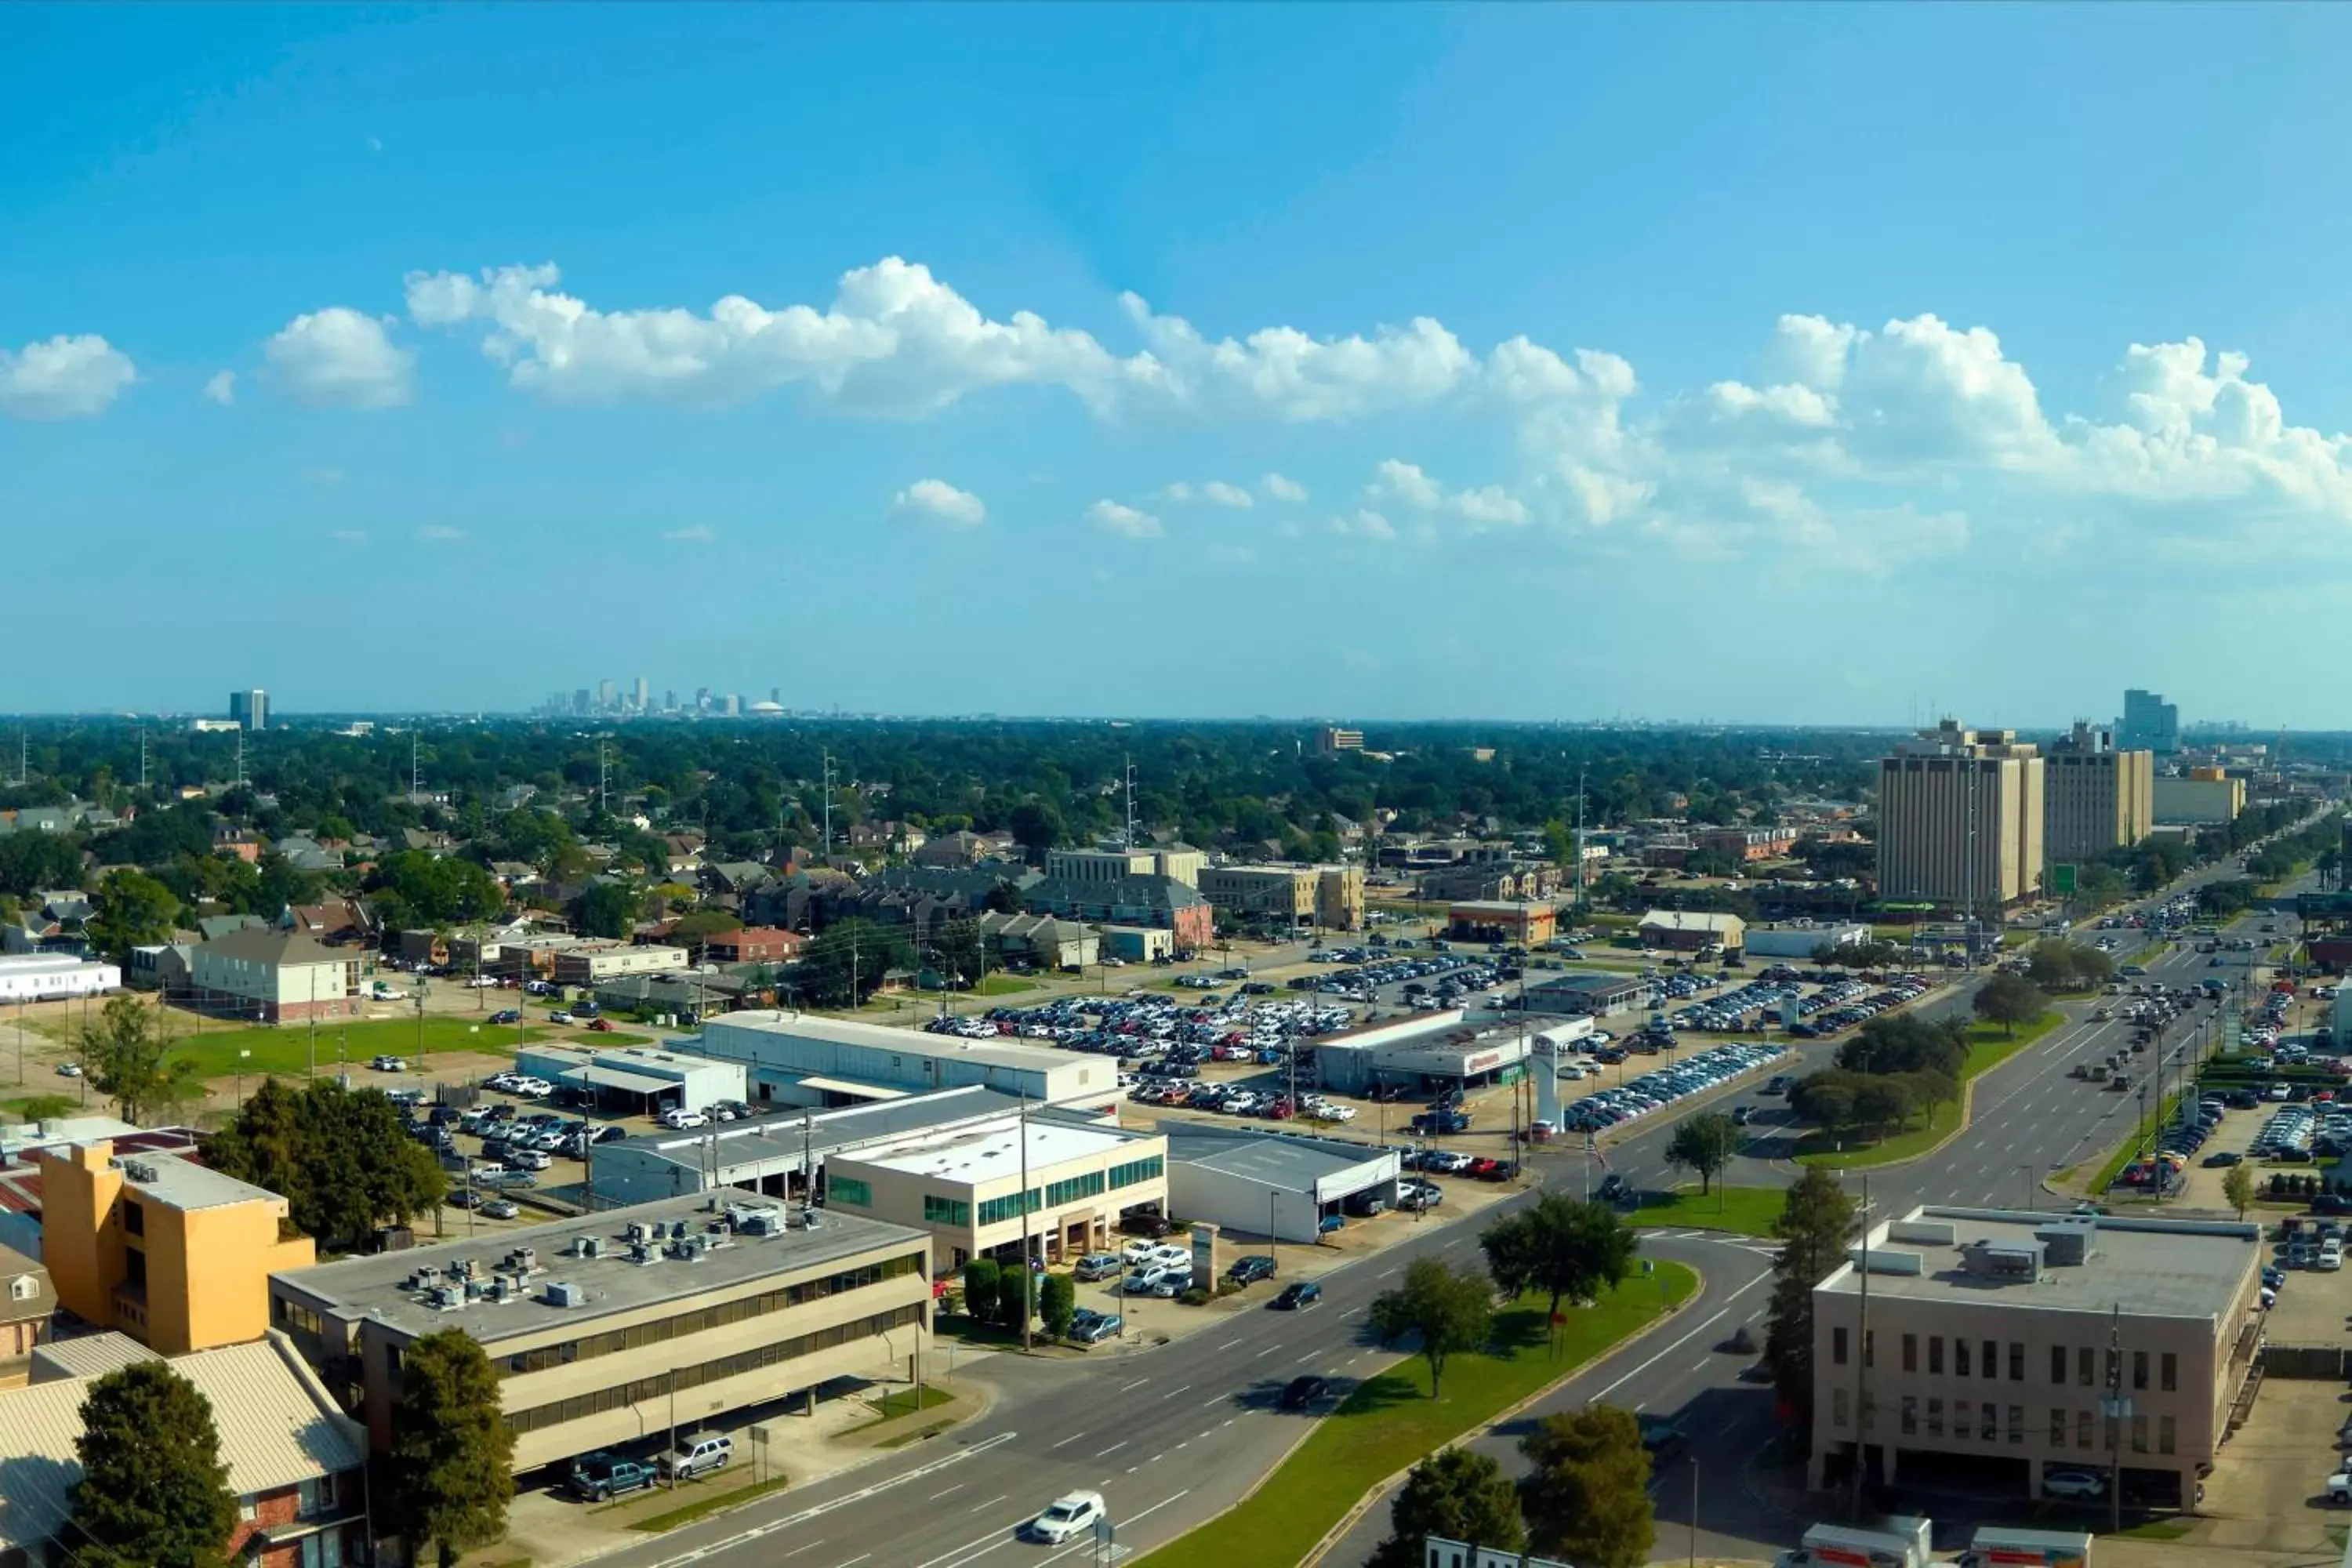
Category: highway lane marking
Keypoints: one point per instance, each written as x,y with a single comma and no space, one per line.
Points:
1115,1448
860,1558
760,1532
992,1502
1071,1438
1216,1400
957,1487
811,1546
1175,1390
1724,1312
1138,1383
1266,1352
1230,1344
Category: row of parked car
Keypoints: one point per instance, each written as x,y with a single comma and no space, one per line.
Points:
1655,1090
1845,1015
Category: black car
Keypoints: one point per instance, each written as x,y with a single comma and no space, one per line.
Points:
1613,1189
1151,1225
1299,1296
1301,1393
1251,1270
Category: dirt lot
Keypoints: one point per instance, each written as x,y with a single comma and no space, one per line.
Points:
2267,1491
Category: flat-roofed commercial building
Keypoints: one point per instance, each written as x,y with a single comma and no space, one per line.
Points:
1494,920
965,1186
1180,862
274,976
607,1328
2097,798
1960,818
1997,1336
1252,1183
1433,1050
590,962
1595,994
635,1079
2207,798
1692,931
798,1058
1327,896
52,976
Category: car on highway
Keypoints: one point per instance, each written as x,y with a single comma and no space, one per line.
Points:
1298,1296
1303,1392
1066,1518
2073,1484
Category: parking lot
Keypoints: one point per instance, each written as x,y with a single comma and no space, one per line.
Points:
2268,1490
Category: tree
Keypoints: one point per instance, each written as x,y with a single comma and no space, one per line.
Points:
1569,1250
606,909
1882,1102
1037,827
341,1157
1057,1303
1449,1312
844,964
1704,1144
452,1451
130,909
2238,1187
692,930
1016,1298
154,1487
1815,1224
1456,1494
1826,1099
982,1277
2010,1000
1589,1499
127,1054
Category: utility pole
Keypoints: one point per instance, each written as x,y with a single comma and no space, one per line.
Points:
412,791
1026,1275
1126,769
142,758
1580,840
826,758
2117,1408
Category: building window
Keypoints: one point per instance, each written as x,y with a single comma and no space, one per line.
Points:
134,1217
2165,1434
1840,1407
848,1190
1073,1189
1934,1416
1991,1365
2168,1376
1910,1416
1934,1355
1989,1421
2058,1364
2083,1429
1837,1346
2083,1358
2139,1433
2139,1369
1135,1171
2017,1423
2057,1428
938,1210
1960,1358
23,1288
1870,1347
2016,1361
1910,1354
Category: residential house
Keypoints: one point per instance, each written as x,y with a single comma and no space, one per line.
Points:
27,1303
305,853
338,923
1160,901
754,944
1040,940
274,976
426,839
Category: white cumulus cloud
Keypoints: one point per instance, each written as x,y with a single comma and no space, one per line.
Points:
1491,506
1126,521
938,502
64,378
1281,489
339,358
222,388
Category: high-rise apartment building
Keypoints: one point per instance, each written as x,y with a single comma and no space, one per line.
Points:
1960,818
580,701
2096,797
2149,723
645,693
606,696
249,709
1331,741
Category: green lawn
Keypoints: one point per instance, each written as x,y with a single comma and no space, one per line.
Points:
702,1507
286,1048
1748,1210
1390,1422
1003,985
1988,1048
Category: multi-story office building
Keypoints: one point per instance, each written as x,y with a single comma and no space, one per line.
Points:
249,709
173,1255
1960,818
608,1327
965,1187
2149,723
1180,862
2096,797
644,695
2207,797
606,696
2000,1337
1328,896
1331,741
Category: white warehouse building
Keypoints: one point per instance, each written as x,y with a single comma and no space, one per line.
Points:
798,1058
1800,940
1248,1182
50,976
636,1078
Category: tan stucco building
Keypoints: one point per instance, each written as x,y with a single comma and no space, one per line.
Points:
174,1255
964,1188
1960,818
1327,896
276,976
1996,1339
2207,797
2094,798
1180,862
605,1329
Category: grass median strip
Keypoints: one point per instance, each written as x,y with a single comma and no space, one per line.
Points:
1390,1422
1750,1211
702,1507
1988,1048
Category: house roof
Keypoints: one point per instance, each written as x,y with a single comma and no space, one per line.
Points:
259,944
279,1427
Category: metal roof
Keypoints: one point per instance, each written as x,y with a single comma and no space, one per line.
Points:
1292,1164
277,1427
613,1077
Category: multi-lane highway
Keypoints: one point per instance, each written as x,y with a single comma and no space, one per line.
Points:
1171,1435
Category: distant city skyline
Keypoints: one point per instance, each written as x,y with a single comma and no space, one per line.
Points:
1348,367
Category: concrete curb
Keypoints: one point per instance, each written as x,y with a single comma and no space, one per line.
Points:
1364,1505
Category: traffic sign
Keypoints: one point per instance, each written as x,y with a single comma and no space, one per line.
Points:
2062,878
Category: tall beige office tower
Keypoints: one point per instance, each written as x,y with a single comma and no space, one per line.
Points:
1960,818
2096,798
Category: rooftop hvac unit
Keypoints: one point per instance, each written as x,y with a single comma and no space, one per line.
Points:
677,1227
139,1170
643,1252
758,1222
2008,1262
523,1260
566,1293
421,1279
640,1231
2067,1244
447,1298
497,1289
589,1246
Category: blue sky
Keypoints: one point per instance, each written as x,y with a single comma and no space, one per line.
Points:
1808,363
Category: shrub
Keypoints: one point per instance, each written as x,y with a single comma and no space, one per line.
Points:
1195,1297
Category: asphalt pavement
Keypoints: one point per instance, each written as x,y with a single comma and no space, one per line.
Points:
1172,1435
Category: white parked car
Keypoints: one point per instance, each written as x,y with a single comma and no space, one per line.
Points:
1067,1518
526,1087
559,1017
390,1063
679,1120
